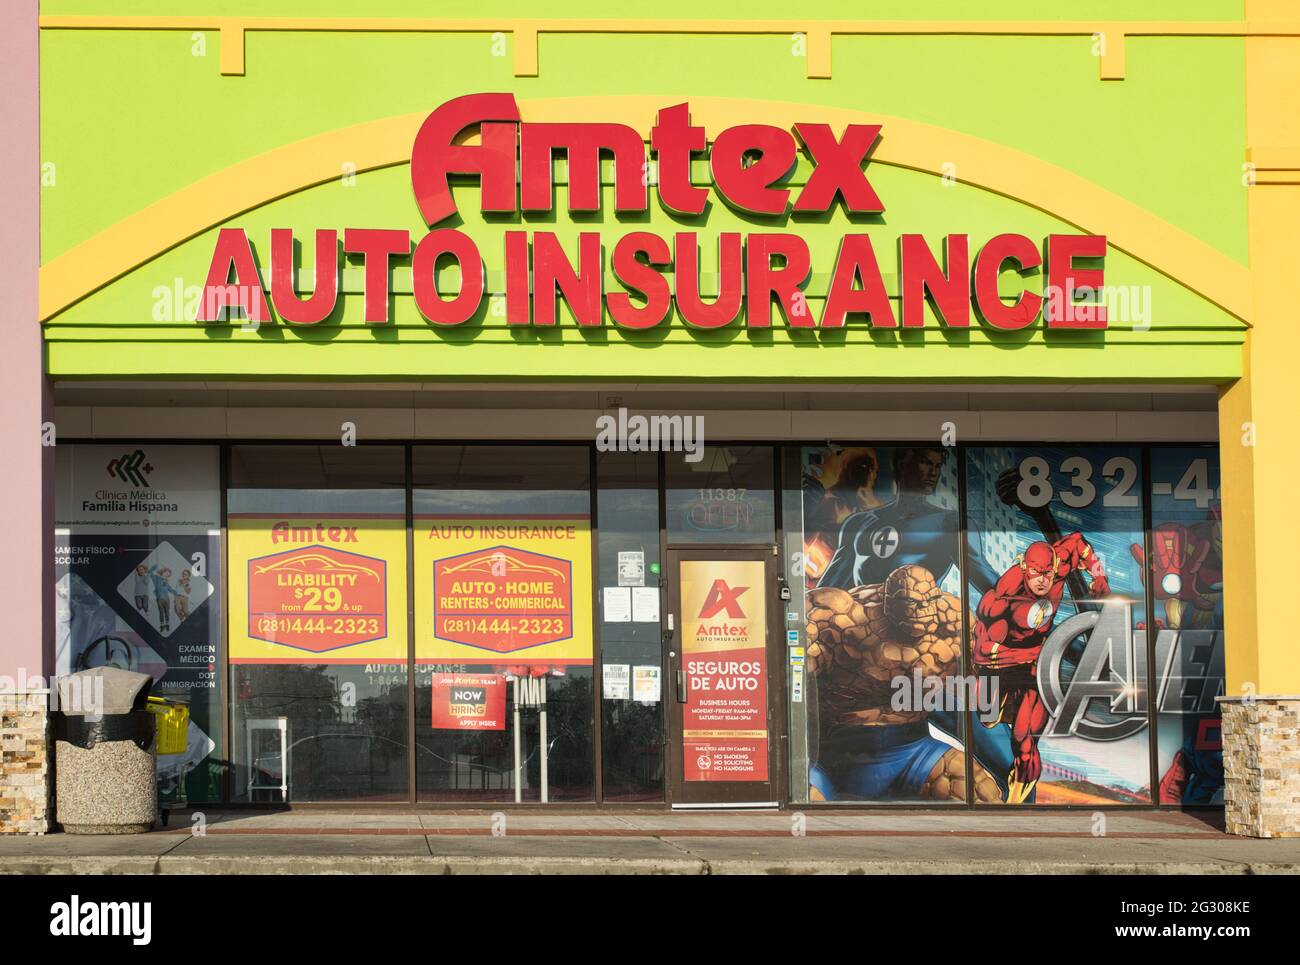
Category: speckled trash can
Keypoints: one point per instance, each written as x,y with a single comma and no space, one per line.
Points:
110,786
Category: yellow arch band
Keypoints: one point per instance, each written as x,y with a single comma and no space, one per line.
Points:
905,143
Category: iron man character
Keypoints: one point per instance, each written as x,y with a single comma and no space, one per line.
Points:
1186,570
1011,625
1187,578
861,642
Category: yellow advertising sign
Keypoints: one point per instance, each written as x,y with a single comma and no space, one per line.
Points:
724,654
503,591
317,589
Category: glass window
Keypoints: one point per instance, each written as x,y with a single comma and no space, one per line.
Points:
319,645
1184,569
1055,534
138,585
725,497
632,731
341,728
503,604
881,552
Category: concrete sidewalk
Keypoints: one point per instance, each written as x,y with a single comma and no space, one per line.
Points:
658,842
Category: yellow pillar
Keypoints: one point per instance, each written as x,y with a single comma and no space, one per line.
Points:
1261,456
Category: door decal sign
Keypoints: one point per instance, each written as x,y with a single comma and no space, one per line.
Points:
724,654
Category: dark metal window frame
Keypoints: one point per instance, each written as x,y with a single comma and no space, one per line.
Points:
779,450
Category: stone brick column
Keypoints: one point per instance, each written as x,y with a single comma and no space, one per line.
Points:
25,757
1261,750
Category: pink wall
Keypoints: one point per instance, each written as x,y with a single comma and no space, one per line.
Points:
26,468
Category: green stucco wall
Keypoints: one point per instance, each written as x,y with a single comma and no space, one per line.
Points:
132,116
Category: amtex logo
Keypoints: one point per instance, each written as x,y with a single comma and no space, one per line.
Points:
131,468
723,597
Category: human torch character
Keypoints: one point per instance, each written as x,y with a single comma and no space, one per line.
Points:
1011,625
861,641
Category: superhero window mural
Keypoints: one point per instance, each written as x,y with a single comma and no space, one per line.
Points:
882,552
1186,574
1057,634
1043,689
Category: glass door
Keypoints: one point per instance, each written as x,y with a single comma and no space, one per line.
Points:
723,689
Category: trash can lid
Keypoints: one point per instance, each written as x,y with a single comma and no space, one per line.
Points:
118,692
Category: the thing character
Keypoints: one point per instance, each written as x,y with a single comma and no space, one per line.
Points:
861,640
1011,625
913,530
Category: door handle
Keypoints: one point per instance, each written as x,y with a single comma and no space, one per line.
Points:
681,687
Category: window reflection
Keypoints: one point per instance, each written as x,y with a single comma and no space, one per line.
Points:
726,497
320,733
632,732
318,640
502,571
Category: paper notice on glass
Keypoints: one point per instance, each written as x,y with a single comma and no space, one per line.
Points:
631,568
645,685
618,604
616,681
645,604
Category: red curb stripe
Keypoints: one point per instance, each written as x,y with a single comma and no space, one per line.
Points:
708,833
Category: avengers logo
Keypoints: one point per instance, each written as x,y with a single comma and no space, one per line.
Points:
1093,673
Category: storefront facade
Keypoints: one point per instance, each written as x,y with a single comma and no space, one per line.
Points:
676,412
